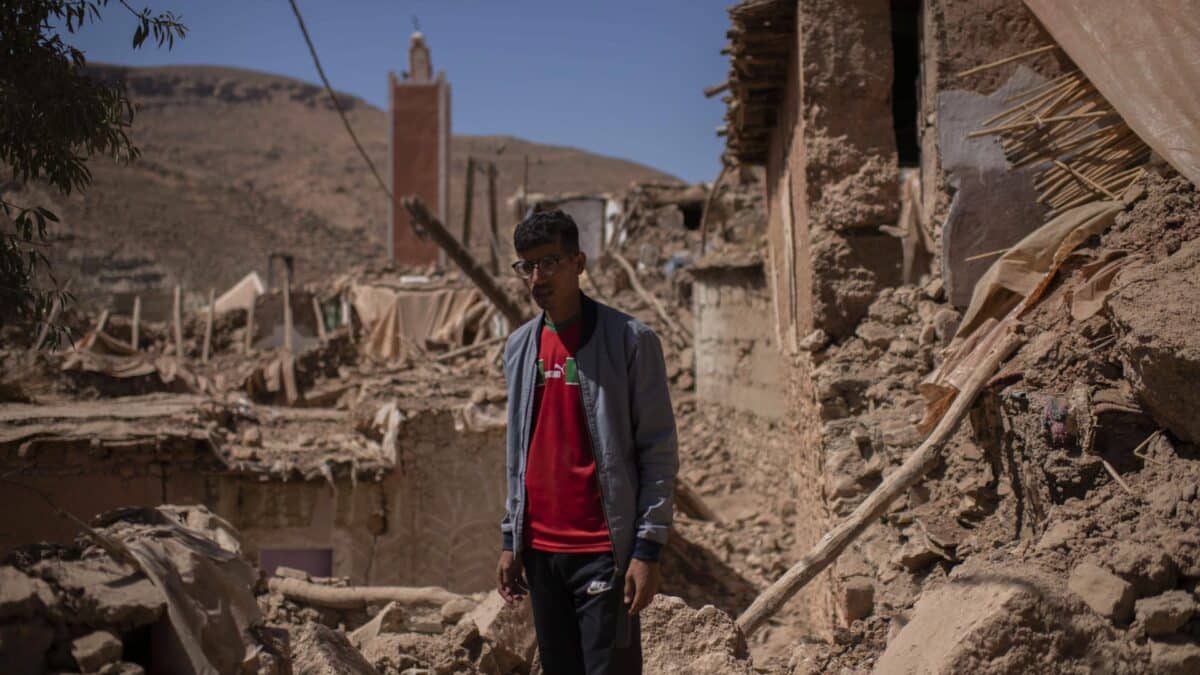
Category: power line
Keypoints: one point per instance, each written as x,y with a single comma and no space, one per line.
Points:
338,104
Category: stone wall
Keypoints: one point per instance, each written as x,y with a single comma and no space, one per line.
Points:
738,362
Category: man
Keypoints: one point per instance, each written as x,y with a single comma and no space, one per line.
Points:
591,462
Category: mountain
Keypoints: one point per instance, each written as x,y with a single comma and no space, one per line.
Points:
237,164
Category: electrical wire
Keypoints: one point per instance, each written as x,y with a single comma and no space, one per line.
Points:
338,104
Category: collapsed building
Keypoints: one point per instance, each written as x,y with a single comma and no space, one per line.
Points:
884,220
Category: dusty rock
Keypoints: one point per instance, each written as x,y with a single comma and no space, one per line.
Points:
1160,345
968,624
108,594
122,668
455,609
509,629
858,598
1149,569
21,595
317,650
252,437
1107,594
95,650
945,322
390,619
1166,613
1175,657
876,334
679,639
1058,535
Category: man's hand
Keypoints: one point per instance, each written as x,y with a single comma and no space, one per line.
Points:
641,583
510,578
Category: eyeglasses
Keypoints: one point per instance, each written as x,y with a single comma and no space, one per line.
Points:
547,264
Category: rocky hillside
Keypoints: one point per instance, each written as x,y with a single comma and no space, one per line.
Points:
236,164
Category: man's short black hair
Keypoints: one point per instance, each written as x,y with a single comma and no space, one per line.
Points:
547,227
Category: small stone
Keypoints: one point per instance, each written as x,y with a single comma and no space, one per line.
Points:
815,341
454,610
1107,594
1058,535
915,556
1174,657
876,334
1164,614
902,347
96,650
1148,568
252,437
928,335
1133,193
945,323
858,597
390,619
21,595
935,290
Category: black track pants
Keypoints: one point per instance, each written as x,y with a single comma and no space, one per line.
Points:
582,623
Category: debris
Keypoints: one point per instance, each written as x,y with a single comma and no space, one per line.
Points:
360,596
321,651
1107,594
1164,614
96,650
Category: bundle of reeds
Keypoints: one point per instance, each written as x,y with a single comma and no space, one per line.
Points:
1067,126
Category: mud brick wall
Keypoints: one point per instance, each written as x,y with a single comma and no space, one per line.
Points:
433,520
737,361
85,478
420,160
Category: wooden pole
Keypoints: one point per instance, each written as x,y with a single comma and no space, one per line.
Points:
454,353
91,339
649,298
471,268
55,310
249,342
492,217
876,504
1010,59
316,304
468,198
177,316
206,350
708,204
287,312
134,335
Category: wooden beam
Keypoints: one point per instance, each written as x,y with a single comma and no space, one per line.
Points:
636,283
206,350
177,319
287,313
468,197
471,268
320,316
493,218
134,336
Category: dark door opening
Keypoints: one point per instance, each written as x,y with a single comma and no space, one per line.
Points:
906,99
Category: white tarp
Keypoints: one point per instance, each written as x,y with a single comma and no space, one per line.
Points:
241,295
1144,57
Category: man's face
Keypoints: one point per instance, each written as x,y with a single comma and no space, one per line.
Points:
555,278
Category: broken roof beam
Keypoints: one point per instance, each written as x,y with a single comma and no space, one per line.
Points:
424,220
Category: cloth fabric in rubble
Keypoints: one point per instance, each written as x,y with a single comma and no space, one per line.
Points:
1146,63
103,354
1012,285
401,321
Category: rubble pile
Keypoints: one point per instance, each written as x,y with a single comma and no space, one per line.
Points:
1058,532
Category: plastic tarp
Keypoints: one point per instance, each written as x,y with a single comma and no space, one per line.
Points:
1144,57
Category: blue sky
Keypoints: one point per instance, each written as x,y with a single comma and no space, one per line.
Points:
617,77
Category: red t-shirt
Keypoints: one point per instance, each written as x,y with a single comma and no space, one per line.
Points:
564,510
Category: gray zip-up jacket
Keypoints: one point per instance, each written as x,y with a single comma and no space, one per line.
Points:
623,383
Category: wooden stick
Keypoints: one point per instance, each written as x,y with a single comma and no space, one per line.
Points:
1087,181
1112,471
876,504
708,204
100,324
1041,122
206,350
320,316
177,315
455,353
989,254
55,310
287,312
650,299
249,342
1010,59
692,504
137,320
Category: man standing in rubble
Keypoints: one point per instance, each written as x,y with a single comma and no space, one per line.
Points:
592,459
